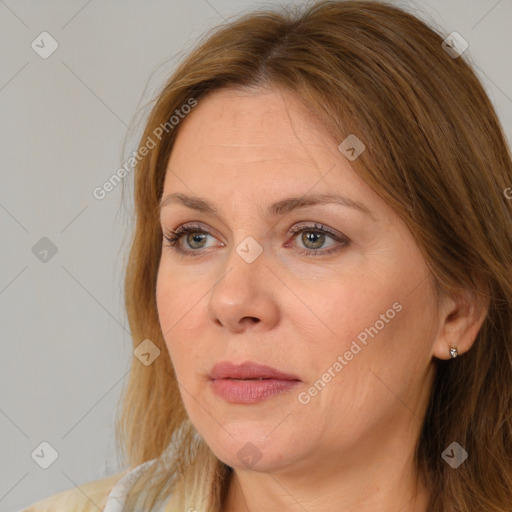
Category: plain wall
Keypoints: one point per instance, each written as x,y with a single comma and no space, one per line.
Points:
65,344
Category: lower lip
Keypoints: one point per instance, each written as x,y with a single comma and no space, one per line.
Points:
251,391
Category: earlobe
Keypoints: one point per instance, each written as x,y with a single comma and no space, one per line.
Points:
461,316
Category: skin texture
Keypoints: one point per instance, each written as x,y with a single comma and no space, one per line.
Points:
351,446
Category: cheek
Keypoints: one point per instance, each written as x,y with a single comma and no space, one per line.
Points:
339,312
362,326
179,306
176,296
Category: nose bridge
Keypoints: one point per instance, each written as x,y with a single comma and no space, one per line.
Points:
243,291
244,267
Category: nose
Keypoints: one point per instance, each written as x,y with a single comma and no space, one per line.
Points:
245,296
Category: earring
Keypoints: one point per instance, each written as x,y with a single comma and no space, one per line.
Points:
453,352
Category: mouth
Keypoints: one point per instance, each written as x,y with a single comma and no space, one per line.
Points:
249,382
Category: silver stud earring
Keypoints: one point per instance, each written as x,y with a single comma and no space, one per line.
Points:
453,352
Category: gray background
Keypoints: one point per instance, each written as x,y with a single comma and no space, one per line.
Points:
65,344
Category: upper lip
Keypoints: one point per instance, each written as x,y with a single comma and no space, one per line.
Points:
247,370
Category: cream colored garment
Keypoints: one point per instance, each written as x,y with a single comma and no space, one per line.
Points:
108,495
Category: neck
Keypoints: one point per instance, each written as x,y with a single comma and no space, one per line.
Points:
385,483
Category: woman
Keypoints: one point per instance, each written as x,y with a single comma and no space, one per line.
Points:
322,256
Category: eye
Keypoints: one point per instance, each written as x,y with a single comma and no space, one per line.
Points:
195,237
314,237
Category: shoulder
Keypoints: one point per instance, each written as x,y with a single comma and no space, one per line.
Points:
88,497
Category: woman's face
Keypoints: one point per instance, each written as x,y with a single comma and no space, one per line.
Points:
349,311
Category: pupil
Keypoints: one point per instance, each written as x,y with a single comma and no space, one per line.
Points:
195,238
312,237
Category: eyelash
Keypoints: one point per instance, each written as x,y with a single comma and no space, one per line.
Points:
173,237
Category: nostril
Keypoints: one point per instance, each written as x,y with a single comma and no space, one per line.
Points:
252,319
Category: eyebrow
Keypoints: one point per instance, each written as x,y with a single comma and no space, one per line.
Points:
279,208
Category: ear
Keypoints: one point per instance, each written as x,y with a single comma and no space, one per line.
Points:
461,316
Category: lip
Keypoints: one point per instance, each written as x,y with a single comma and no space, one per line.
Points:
249,382
247,370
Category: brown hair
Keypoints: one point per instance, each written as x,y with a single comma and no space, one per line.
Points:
435,152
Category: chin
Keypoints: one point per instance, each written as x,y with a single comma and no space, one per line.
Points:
251,449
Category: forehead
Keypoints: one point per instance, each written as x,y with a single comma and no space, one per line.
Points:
258,138
241,124
246,150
